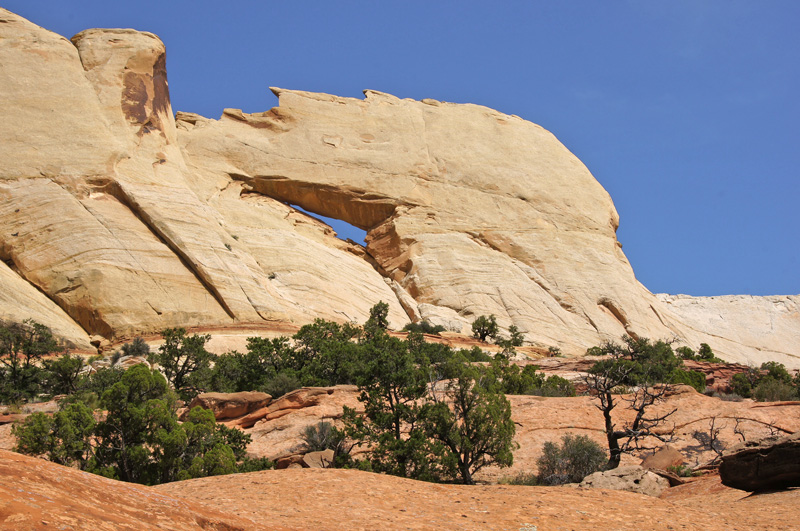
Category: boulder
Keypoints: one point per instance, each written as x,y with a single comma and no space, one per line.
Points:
766,464
231,405
663,459
629,478
320,459
126,362
289,461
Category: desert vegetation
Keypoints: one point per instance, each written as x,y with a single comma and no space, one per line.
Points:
430,411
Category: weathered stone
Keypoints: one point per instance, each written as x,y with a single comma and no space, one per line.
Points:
126,362
663,459
231,405
320,459
629,478
673,478
766,464
289,461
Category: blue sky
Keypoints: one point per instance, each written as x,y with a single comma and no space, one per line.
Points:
686,111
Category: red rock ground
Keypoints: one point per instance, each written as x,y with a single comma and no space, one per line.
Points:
351,500
36,494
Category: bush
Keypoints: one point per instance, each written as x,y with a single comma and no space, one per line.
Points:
528,479
424,327
378,317
255,464
682,471
727,397
694,378
516,338
139,439
555,386
184,360
62,374
281,384
322,436
484,327
704,354
474,354
577,457
22,346
772,390
772,383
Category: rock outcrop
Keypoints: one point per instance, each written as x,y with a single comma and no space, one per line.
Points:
118,217
663,459
627,478
771,463
231,405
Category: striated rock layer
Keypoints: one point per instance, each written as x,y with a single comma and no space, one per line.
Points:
118,217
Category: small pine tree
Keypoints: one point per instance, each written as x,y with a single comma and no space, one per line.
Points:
484,327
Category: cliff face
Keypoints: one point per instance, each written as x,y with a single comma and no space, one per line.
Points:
117,218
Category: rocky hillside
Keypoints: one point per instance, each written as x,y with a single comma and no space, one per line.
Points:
118,217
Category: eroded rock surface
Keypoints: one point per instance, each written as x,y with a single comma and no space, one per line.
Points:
38,494
231,405
627,478
118,218
771,463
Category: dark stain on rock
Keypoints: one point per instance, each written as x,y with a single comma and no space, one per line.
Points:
134,98
161,103
145,97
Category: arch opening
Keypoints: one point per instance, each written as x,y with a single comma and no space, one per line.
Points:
344,230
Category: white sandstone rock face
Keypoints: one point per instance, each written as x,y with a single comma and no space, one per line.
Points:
747,329
468,210
118,218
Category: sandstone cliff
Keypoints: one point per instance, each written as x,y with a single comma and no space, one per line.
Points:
117,218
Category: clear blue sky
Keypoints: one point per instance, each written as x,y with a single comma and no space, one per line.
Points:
686,111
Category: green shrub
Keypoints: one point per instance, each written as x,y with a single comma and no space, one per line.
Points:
555,386
424,327
484,327
378,317
595,351
255,464
281,384
694,378
322,436
528,479
776,371
682,471
727,397
771,383
772,390
184,360
704,354
516,338
576,457
61,375
475,354
22,346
